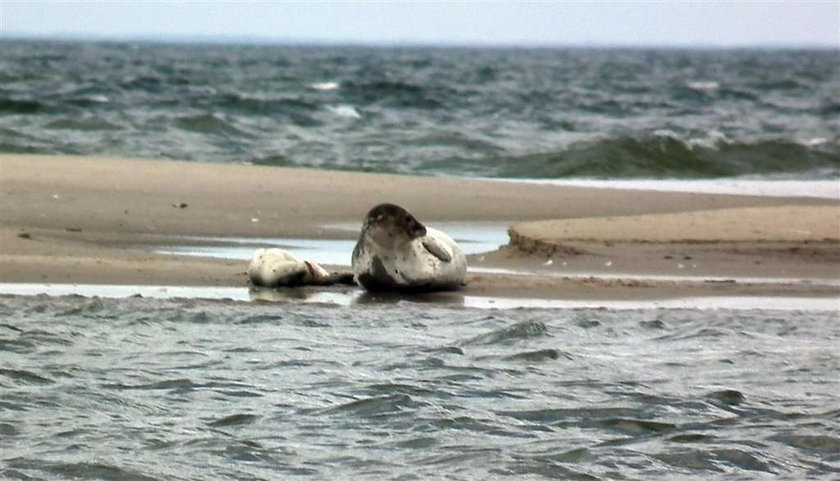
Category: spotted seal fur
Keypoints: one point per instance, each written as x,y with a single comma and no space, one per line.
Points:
395,252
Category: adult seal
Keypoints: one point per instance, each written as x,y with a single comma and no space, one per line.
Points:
395,252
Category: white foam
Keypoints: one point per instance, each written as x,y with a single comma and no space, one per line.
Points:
827,189
814,142
98,98
346,111
703,85
325,86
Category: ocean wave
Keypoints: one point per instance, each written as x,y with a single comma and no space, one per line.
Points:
146,83
510,334
670,157
394,93
830,109
89,100
276,160
265,105
82,124
21,106
19,148
209,124
703,92
779,84
65,470
454,140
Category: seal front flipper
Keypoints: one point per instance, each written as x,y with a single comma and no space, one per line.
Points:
377,278
437,249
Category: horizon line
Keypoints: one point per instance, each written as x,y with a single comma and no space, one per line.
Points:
259,40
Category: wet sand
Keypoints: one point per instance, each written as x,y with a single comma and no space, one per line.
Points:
97,220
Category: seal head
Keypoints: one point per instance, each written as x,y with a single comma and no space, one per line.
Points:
389,224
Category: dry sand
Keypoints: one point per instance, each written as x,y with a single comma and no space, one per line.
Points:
70,219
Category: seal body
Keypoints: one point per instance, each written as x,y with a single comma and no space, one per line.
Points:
277,268
395,252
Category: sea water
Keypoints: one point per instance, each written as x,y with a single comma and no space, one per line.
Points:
176,389
505,113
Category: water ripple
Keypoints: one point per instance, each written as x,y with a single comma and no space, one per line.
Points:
143,388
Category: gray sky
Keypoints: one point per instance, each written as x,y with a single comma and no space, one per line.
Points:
699,23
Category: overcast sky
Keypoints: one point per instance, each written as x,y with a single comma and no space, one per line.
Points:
673,23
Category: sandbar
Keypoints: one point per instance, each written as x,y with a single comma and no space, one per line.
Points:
99,220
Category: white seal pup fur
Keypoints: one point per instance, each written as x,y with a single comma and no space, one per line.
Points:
395,252
280,268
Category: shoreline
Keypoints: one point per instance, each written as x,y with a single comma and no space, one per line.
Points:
819,189
96,221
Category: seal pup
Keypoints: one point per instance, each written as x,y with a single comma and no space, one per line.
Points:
395,252
280,268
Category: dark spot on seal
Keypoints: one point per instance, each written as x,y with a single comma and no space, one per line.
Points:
297,279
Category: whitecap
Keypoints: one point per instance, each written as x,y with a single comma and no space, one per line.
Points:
713,139
814,142
666,133
98,98
325,86
345,111
703,85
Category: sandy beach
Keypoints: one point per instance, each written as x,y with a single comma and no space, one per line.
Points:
68,219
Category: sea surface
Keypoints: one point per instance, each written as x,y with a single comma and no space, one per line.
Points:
187,389
505,113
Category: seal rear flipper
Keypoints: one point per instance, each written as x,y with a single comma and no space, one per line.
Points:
436,249
317,274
